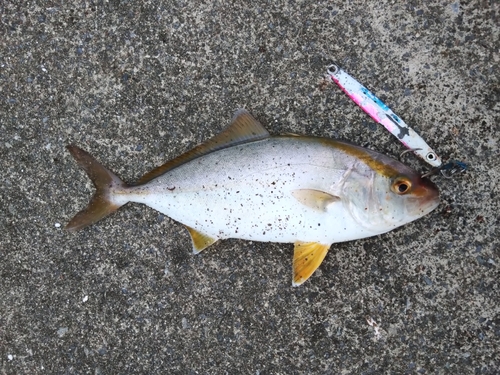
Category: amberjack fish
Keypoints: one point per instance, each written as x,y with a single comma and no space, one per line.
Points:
244,183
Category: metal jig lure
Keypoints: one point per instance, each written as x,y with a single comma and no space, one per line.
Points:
382,114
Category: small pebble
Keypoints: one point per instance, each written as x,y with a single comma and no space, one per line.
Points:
62,331
427,280
10,357
57,225
85,299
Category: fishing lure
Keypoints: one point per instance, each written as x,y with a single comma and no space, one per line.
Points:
382,114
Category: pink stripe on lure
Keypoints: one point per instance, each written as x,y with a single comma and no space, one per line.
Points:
382,114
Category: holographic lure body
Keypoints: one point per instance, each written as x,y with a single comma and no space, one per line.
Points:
382,114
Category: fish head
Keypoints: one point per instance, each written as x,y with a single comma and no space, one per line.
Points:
383,194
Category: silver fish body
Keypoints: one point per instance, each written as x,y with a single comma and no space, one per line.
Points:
250,192
246,184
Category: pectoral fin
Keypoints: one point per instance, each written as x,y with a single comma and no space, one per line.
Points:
307,257
315,199
200,240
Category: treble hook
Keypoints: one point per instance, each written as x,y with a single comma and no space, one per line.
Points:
448,170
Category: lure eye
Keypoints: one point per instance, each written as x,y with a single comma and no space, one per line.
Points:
401,186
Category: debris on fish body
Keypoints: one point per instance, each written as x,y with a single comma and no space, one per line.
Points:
246,184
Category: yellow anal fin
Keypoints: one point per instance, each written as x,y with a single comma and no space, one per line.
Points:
243,128
200,240
307,257
315,199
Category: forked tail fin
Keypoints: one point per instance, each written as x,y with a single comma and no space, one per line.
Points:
105,181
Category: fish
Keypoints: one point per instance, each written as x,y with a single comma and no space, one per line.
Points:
244,183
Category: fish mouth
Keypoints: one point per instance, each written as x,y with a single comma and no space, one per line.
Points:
426,195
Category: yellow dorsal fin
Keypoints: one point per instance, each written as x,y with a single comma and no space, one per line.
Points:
243,128
307,257
315,199
200,240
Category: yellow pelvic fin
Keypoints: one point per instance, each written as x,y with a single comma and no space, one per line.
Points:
104,181
315,199
200,240
307,257
243,129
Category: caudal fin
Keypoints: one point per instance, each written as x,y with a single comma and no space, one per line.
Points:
105,181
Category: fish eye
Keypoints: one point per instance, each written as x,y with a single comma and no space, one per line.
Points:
401,186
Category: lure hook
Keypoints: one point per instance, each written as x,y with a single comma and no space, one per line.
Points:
448,170
452,168
407,151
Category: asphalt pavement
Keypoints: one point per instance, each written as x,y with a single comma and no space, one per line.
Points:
137,83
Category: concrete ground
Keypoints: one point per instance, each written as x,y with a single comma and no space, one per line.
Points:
139,82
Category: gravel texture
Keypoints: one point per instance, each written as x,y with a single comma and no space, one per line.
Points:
139,82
